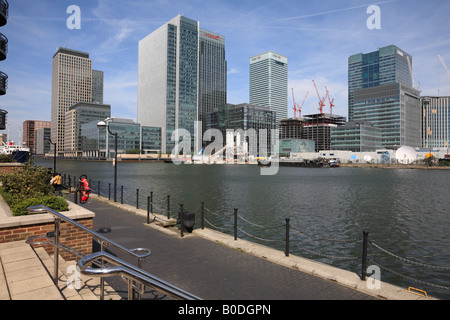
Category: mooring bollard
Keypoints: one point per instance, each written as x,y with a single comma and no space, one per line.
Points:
286,252
364,256
137,198
109,191
121,195
168,206
98,188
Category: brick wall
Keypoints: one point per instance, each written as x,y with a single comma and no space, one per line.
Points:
69,235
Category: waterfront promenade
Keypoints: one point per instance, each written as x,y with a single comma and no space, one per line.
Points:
214,266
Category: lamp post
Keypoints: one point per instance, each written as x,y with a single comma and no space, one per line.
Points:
54,153
101,125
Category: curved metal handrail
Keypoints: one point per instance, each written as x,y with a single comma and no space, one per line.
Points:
127,270
133,252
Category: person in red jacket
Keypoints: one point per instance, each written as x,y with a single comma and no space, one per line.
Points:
84,188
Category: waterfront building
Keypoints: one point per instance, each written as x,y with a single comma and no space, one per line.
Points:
356,137
269,83
29,132
317,127
42,142
245,117
71,83
79,114
387,65
181,77
435,122
395,108
131,138
288,146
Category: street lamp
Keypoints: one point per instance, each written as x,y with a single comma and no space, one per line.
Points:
54,152
102,125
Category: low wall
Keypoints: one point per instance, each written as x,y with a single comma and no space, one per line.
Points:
24,227
9,167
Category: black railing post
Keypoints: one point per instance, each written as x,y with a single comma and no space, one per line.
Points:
235,224
109,191
168,206
287,237
121,194
98,190
364,256
151,202
137,198
148,210
202,215
180,219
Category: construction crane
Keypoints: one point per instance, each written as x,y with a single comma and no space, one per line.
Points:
301,107
321,101
412,74
443,63
331,101
296,106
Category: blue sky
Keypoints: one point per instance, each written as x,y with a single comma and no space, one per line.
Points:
316,36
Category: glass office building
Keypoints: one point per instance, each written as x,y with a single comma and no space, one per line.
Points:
395,109
356,137
435,122
181,77
387,65
131,137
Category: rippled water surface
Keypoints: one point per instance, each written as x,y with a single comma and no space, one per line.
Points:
406,212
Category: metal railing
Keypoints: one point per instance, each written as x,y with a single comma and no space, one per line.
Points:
123,268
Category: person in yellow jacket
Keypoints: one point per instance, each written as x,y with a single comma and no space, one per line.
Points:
56,182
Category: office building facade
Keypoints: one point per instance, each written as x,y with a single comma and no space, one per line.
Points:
269,83
71,83
181,77
97,86
435,122
395,108
356,137
387,65
29,133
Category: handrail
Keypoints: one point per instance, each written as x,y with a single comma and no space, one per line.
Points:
133,252
130,271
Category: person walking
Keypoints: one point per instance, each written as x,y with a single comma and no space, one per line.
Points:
56,182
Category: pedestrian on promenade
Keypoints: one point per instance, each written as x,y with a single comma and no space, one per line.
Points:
56,182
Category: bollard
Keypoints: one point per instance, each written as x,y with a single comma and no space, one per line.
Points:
168,206
121,195
202,214
364,256
235,224
109,191
286,252
98,188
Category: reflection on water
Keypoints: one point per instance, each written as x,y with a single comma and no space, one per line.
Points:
405,211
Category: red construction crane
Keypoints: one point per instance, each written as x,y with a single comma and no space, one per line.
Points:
296,106
330,101
321,101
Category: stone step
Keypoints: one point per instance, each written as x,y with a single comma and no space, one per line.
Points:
74,288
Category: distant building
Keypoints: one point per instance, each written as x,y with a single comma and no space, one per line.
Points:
288,146
29,132
395,108
290,128
317,127
71,83
387,65
356,137
435,122
269,83
97,86
132,137
181,77
79,114
245,117
42,142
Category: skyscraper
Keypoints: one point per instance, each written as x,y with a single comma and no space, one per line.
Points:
435,122
269,83
181,76
387,65
71,83
381,92
97,86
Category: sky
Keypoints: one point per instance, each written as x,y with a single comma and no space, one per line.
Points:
317,37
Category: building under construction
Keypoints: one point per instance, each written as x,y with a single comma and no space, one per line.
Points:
317,127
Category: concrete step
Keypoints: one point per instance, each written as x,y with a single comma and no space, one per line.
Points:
72,287
23,277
